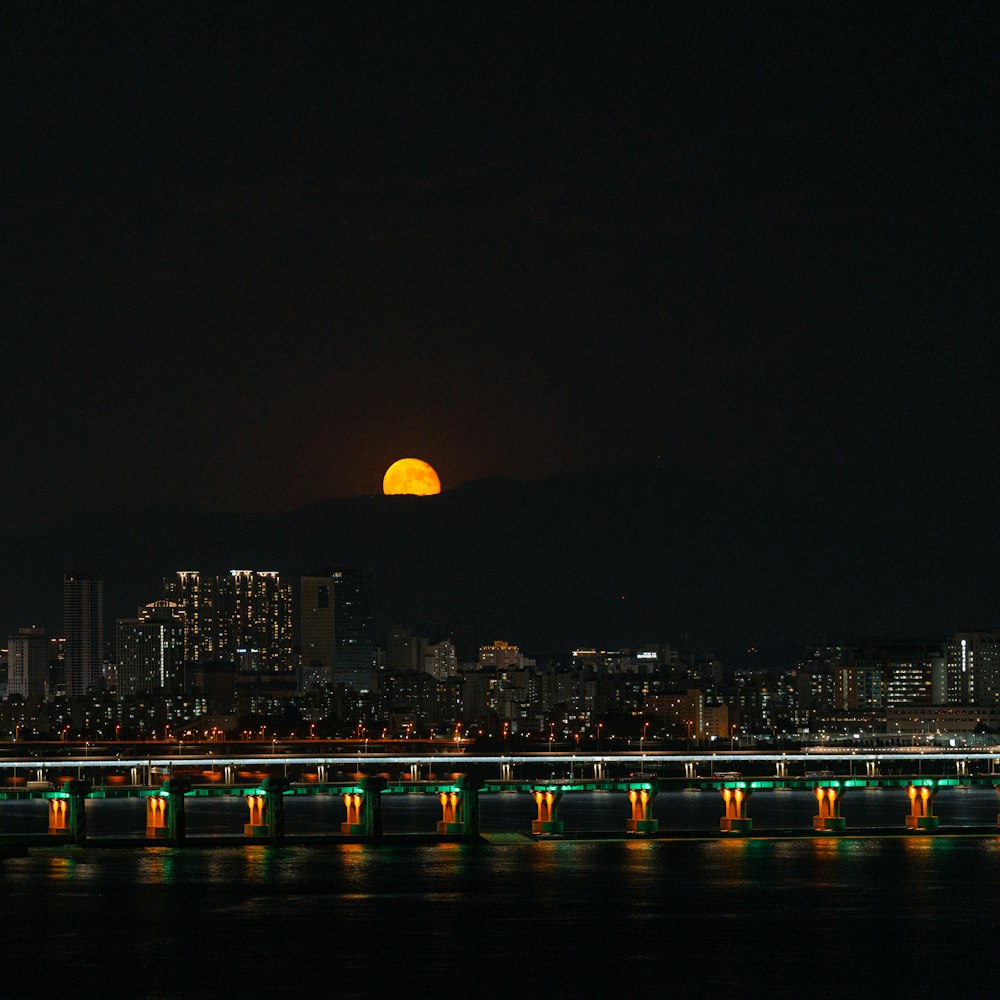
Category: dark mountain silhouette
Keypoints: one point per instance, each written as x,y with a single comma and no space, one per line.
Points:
616,557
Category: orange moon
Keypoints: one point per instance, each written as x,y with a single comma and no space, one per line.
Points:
411,475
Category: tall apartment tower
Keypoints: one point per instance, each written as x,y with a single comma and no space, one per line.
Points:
194,596
243,617
83,618
253,620
28,664
151,651
317,623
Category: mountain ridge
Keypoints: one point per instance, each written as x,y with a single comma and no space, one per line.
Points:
616,557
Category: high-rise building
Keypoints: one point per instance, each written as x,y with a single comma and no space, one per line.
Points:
870,680
151,651
354,639
973,668
253,620
194,597
243,617
28,655
317,623
83,616
440,660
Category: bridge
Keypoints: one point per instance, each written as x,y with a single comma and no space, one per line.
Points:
264,781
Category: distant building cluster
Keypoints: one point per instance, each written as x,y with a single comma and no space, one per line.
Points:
220,657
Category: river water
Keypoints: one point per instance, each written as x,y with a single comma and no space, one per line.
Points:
909,916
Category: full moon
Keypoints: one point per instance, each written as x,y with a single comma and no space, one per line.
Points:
411,475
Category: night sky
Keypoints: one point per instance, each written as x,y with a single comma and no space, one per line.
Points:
253,253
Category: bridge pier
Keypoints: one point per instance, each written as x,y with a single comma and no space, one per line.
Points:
68,811
267,811
642,811
736,819
548,806
829,818
364,810
921,808
460,809
165,818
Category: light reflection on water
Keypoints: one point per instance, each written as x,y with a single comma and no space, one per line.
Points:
579,919
587,918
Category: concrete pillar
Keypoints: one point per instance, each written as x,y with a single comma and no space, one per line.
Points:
68,812
962,768
781,768
828,818
871,768
506,770
547,801
921,808
599,770
59,816
157,809
414,771
642,811
321,774
690,769
165,819
460,809
736,819
364,809
227,774
267,811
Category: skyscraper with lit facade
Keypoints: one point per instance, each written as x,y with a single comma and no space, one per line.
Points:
150,651
193,596
243,617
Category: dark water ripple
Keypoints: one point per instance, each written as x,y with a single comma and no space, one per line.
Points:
849,918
